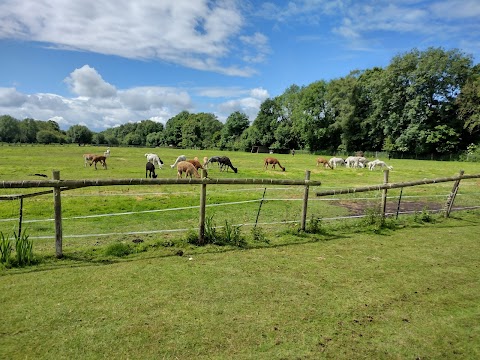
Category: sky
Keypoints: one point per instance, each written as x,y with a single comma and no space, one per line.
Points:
103,63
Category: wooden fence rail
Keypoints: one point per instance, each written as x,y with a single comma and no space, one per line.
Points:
59,185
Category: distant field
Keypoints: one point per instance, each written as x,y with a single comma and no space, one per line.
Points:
96,216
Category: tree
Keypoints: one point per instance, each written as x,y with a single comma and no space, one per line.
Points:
468,103
9,129
234,126
266,122
48,137
28,131
79,134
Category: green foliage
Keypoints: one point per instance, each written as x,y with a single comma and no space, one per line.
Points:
423,217
5,249
228,235
258,235
231,235
314,226
118,249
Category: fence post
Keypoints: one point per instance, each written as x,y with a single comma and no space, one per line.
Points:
451,197
20,217
384,193
305,200
58,216
201,225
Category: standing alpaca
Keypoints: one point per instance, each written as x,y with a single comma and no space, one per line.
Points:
87,158
323,161
197,165
180,158
272,161
336,161
214,159
153,158
378,163
225,162
205,162
101,159
187,168
107,153
150,169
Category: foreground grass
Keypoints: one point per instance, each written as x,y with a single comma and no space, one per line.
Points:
408,294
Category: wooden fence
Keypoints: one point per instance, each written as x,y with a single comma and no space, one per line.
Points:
59,185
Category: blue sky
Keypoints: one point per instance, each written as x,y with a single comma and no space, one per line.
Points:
102,63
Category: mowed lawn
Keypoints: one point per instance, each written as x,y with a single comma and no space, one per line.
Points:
344,293
409,294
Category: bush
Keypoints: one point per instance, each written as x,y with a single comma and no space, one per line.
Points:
118,249
24,249
5,249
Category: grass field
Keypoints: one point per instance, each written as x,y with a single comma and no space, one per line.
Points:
97,216
347,291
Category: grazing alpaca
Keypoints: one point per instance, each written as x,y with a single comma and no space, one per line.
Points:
225,162
205,162
153,158
197,165
214,159
335,161
87,158
180,158
101,159
150,169
187,168
272,161
323,161
378,163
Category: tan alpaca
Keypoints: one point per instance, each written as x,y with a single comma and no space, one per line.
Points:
272,161
187,168
323,161
197,165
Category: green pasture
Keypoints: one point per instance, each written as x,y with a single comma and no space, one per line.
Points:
97,216
349,290
409,294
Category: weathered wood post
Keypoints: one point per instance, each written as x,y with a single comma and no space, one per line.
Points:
201,225
305,200
384,193
57,204
451,197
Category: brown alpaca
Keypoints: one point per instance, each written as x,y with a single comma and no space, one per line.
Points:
323,161
272,161
187,168
197,165
101,159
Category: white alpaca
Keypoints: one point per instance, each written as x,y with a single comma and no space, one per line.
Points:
180,158
335,161
153,158
378,163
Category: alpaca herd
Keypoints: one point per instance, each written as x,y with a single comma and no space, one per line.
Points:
192,167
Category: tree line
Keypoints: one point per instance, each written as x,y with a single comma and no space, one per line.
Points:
423,102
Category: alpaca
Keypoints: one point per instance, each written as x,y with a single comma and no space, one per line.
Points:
378,163
107,153
205,162
101,159
214,159
197,165
187,168
87,158
180,158
335,161
323,161
225,162
272,161
150,169
153,158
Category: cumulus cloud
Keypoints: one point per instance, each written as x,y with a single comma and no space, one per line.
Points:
87,82
197,34
100,105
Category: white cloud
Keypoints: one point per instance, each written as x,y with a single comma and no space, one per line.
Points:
87,82
199,34
100,105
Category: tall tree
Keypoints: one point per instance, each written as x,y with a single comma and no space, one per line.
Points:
79,134
9,129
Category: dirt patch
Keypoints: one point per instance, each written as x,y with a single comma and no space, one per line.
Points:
358,208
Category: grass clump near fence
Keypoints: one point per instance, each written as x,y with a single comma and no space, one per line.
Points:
23,254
